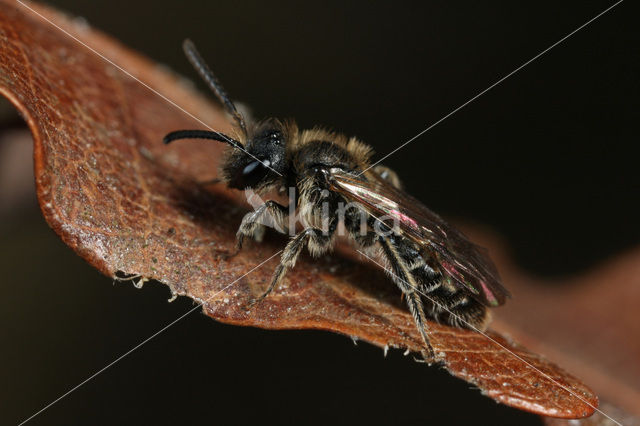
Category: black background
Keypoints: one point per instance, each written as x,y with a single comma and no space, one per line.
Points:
546,158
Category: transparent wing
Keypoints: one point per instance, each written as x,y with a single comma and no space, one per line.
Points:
467,265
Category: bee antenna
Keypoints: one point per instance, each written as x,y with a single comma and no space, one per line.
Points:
201,134
209,77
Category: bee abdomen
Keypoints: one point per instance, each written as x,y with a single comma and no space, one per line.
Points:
428,279
454,306
442,300
446,303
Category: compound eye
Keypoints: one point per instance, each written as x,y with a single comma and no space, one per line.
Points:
251,168
254,172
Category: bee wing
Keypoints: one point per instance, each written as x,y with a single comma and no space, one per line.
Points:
465,264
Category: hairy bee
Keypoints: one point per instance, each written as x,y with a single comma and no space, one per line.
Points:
435,266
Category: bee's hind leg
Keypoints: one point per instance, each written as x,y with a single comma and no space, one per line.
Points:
401,274
317,243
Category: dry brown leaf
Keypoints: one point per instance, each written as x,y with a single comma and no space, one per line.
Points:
598,419
125,202
588,322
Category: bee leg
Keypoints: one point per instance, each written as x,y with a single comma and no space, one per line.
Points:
253,223
401,275
417,310
389,175
316,241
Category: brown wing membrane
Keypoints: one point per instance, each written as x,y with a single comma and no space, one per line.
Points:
463,263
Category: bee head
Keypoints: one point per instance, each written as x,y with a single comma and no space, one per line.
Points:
261,162
255,161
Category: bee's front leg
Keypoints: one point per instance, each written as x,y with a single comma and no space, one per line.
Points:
254,223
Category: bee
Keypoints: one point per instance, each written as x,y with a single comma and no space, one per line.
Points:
437,269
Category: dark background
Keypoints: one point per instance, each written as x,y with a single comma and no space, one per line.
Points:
546,159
